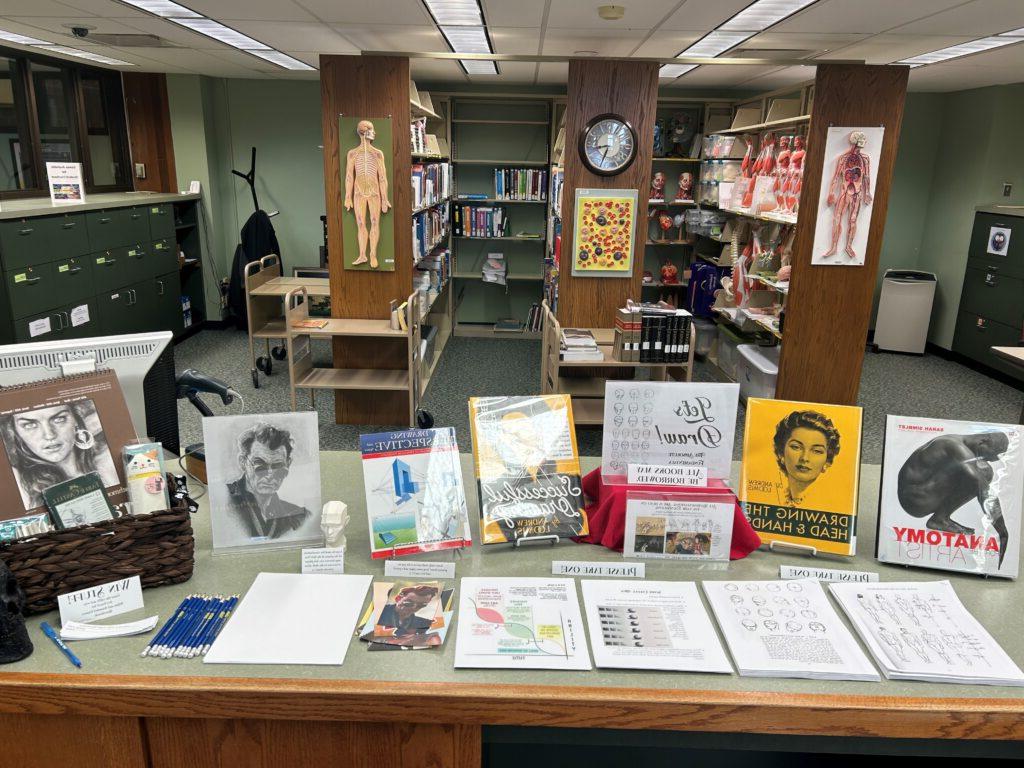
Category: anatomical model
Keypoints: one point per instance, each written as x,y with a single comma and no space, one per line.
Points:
796,174
669,273
366,188
658,186
781,173
763,166
665,222
684,193
850,187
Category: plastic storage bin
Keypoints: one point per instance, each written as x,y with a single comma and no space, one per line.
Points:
757,368
728,344
705,336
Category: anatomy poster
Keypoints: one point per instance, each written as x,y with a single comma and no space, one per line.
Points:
367,219
604,234
845,200
951,495
512,623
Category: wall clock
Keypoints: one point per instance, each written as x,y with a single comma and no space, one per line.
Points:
607,145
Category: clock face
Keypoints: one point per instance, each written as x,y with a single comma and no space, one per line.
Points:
608,145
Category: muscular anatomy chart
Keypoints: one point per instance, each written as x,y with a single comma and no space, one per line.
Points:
520,624
368,233
847,189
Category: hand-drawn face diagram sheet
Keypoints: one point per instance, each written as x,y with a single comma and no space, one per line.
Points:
786,629
512,623
652,625
921,631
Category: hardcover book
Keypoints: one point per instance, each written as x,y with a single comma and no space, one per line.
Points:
951,495
415,501
527,468
801,473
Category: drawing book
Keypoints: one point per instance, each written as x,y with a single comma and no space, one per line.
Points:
951,495
527,468
801,473
415,501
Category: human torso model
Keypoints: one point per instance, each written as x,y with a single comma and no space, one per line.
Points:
763,166
796,174
366,190
684,192
849,189
781,173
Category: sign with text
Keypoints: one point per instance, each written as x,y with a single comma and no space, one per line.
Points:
66,185
411,569
613,570
101,601
668,424
323,560
656,474
677,526
788,572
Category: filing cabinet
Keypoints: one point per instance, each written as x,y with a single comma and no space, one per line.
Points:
161,221
24,242
108,228
29,288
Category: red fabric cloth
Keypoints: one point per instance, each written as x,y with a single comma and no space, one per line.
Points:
606,515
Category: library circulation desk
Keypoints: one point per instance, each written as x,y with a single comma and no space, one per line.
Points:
414,709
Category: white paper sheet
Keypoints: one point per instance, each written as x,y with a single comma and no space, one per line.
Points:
76,630
921,631
651,625
510,623
292,618
786,629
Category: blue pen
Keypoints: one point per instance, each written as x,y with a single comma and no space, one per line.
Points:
50,633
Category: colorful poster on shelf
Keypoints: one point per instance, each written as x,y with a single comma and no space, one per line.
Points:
604,232
933,469
844,203
414,496
801,473
367,220
65,180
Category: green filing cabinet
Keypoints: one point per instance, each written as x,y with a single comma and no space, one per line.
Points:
30,290
138,224
108,228
72,280
167,302
24,242
161,221
80,319
109,269
138,263
165,255
67,235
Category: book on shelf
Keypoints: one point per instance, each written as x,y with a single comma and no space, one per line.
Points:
479,221
436,268
535,318
521,184
431,184
652,333
494,269
310,323
418,135
508,325
429,230
578,344
578,337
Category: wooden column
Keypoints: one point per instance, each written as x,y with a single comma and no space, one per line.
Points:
829,307
370,86
149,130
630,90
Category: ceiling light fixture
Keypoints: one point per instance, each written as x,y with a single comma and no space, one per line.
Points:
956,51
462,24
14,37
165,9
283,60
763,14
611,12
455,12
222,33
80,54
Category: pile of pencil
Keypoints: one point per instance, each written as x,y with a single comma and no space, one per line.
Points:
192,628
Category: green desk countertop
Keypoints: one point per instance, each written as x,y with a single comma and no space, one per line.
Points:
996,603
43,206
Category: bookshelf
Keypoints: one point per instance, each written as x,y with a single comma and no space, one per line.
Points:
489,136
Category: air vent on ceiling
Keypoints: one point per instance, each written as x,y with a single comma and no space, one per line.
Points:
129,41
769,53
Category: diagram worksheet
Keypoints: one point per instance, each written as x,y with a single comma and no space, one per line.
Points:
512,623
786,629
652,625
921,631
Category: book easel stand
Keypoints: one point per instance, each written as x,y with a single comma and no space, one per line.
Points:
551,538
799,549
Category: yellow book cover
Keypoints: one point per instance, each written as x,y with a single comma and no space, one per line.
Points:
527,467
801,473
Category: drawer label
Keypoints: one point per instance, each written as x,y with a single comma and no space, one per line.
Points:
79,315
101,260
21,277
154,210
133,252
63,267
161,246
39,327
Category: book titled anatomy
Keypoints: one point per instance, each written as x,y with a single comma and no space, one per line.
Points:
527,468
415,500
951,495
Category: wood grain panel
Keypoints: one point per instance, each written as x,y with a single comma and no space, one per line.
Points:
829,308
184,743
629,89
149,130
42,741
474,704
371,86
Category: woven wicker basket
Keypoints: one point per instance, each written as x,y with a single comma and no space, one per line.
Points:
159,548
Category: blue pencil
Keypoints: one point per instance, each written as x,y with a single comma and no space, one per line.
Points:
166,628
186,651
202,613
221,620
186,624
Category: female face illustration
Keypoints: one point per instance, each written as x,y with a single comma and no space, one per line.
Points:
805,445
48,433
805,455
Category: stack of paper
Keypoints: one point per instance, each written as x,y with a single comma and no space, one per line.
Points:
494,269
579,344
291,618
921,631
404,615
652,625
786,629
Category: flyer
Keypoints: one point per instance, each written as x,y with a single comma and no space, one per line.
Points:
679,525
65,180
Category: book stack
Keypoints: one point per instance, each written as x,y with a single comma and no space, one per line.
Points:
418,135
436,267
431,184
579,344
495,269
479,221
535,319
520,184
429,230
651,333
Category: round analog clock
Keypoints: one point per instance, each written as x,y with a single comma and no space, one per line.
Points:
608,145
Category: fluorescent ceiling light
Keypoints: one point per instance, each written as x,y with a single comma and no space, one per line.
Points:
956,51
1013,33
715,43
467,39
455,12
14,37
477,67
763,14
672,71
224,34
283,60
164,9
80,54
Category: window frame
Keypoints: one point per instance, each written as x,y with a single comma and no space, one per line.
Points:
72,73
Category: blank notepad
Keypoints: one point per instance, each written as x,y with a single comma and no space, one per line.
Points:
291,618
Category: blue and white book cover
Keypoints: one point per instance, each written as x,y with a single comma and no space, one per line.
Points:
415,500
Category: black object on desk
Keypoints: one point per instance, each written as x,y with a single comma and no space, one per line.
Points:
14,641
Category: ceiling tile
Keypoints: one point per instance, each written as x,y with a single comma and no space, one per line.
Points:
565,42
175,33
885,49
978,18
959,77
38,8
720,76
393,37
106,8
513,40
512,72
370,12
521,13
666,43
553,73
780,78
251,10
582,14
802,41
55,26
867,16
703,16
298,36
202,62
436,70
